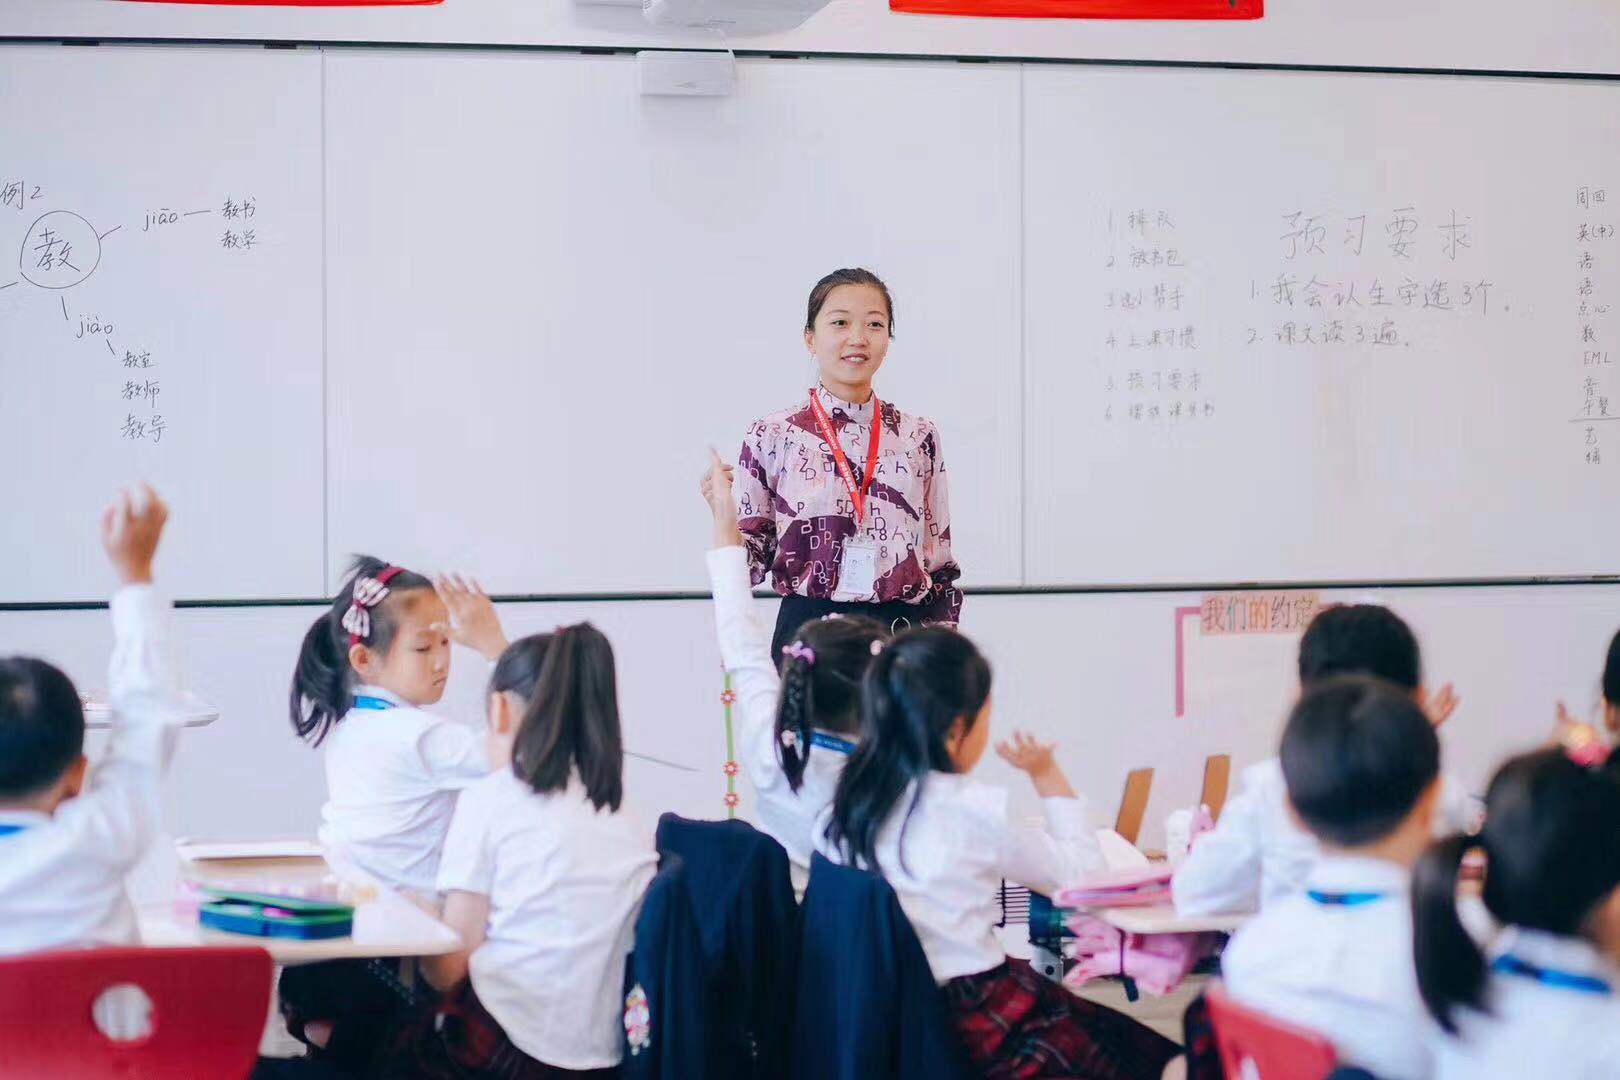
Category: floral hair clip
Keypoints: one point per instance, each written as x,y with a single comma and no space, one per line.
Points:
1583,745
877,646
368,593
789,739
800,651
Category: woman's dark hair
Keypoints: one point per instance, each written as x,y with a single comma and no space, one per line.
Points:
821,684
41,726
847,276
1611,673
1357,755
323,681
915,690
1364,639
570,712
1543,870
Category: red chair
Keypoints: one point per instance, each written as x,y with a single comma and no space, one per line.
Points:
1255,1046
207,1015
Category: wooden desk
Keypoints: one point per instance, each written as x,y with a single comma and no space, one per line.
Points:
385,923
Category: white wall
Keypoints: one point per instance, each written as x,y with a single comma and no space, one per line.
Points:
1553,35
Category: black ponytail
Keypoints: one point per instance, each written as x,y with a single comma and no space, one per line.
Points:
571,712
1450,967
1541,870
821,681
1611,673
323,681
914,692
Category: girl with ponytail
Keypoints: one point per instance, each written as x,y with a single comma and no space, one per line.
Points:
906,808
543,874
369,667
797,726
1541,996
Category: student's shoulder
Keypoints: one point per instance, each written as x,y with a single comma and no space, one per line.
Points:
966,803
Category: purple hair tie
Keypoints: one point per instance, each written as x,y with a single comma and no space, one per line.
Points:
800,651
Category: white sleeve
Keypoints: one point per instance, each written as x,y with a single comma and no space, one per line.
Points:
1222,872
1055,854
116,817
745,649
452,755
465,863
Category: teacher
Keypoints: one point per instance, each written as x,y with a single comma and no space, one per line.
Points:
841,498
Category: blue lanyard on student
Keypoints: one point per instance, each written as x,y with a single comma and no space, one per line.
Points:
7,830
1508,964
831,742
375,704
1344,899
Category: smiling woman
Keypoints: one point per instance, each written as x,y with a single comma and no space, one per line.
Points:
841,499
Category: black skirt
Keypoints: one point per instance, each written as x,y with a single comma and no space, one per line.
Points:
797,610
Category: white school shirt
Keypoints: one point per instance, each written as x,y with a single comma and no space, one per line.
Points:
392,776
960,843
745,649
1343,970
565,882
1257,855
62,874
1534,1027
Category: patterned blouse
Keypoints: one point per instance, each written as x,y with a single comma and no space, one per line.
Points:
795,511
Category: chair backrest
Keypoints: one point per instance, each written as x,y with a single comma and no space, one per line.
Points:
1255,1046
1133,804
206,1017
1217,779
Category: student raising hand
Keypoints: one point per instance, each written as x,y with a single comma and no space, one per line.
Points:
473,621
716,488
1029,755
1438,707
130,530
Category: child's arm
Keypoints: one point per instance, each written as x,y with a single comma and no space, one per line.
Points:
1222,870
1066,849
473,619
466,877
744,638
118,811
466,913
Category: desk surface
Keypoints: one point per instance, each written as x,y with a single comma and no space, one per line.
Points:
385,923
1162,919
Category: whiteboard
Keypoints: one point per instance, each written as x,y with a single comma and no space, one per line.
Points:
160,314
1448,432
539,317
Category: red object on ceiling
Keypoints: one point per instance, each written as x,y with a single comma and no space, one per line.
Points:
1086,9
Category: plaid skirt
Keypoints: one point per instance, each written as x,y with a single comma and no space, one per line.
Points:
1017,1025
455,1038
363,1000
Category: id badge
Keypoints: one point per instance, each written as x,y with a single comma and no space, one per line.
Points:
857,572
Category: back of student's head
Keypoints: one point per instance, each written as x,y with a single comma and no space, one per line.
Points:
41,726
323,681
1364,639
821,685
915,691
1550,860
570,721
1611,673
1358,755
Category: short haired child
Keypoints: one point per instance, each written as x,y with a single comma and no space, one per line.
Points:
1362,766
1257,853
68,833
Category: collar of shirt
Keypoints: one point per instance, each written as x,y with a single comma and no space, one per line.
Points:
15,821
384,695
837,408
1555,952
1348,874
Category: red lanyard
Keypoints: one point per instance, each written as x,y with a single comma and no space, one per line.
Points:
858,494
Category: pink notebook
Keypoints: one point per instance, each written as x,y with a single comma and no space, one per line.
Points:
1138,886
